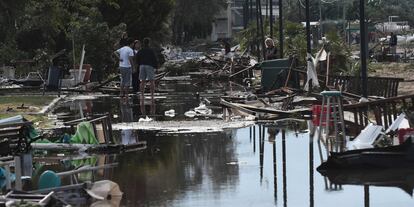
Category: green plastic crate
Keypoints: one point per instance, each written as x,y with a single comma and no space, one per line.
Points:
274,73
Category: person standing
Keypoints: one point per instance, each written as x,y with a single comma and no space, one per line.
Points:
126,61
135,70
393,44
271,51
147,61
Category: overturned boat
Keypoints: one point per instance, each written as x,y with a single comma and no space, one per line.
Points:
401,156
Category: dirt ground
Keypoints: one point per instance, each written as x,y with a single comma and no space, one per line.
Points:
396,70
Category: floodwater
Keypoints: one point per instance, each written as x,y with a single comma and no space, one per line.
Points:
236,169
261,165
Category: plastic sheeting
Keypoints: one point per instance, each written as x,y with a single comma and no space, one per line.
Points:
84,134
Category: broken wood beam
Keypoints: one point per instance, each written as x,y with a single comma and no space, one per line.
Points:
235,106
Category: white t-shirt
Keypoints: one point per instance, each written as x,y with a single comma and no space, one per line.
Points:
124,54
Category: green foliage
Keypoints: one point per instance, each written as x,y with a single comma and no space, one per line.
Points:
193,18
143,18
295,44
340,53
42,28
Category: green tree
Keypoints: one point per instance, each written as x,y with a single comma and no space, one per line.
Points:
143,18
192,18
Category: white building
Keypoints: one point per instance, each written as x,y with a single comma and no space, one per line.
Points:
231,20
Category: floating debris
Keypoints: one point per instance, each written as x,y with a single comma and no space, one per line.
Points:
170,113
146,119
180,127
190,114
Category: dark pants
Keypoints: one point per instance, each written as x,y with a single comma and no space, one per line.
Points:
135,82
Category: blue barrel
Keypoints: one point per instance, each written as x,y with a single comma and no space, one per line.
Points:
49,179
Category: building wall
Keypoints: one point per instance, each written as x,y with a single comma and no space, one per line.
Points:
220,24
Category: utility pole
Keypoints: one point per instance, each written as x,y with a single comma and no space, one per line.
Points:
245,13
281,37
258,31
229,19
308,42
308,31
271,18
267,9
363,32
262,30
250,10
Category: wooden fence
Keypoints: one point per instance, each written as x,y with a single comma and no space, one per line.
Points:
377,86
385,110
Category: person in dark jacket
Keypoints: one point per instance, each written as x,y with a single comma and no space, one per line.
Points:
147,61
135,71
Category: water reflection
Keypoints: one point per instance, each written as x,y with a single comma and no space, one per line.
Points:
126,112
175,165
224,169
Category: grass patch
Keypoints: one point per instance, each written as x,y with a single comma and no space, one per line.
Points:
31,103
12,106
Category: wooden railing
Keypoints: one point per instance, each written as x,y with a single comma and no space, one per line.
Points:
385,110
377,86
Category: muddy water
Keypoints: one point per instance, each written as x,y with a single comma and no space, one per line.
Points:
239,169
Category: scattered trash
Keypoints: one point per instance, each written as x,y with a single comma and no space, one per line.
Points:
202,109
170,113
147,119
190,114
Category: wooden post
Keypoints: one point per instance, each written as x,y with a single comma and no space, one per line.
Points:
363,32
281,37
271,17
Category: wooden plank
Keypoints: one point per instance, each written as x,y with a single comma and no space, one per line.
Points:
232,105
394,110
361,117
355,117
390,120
366,120
385,115
377,114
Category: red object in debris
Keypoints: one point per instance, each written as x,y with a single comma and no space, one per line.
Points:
317,113
88,72
404,132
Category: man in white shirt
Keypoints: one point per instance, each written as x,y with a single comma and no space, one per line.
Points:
126,56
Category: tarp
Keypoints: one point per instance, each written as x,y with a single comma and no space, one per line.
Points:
311,68
84,134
